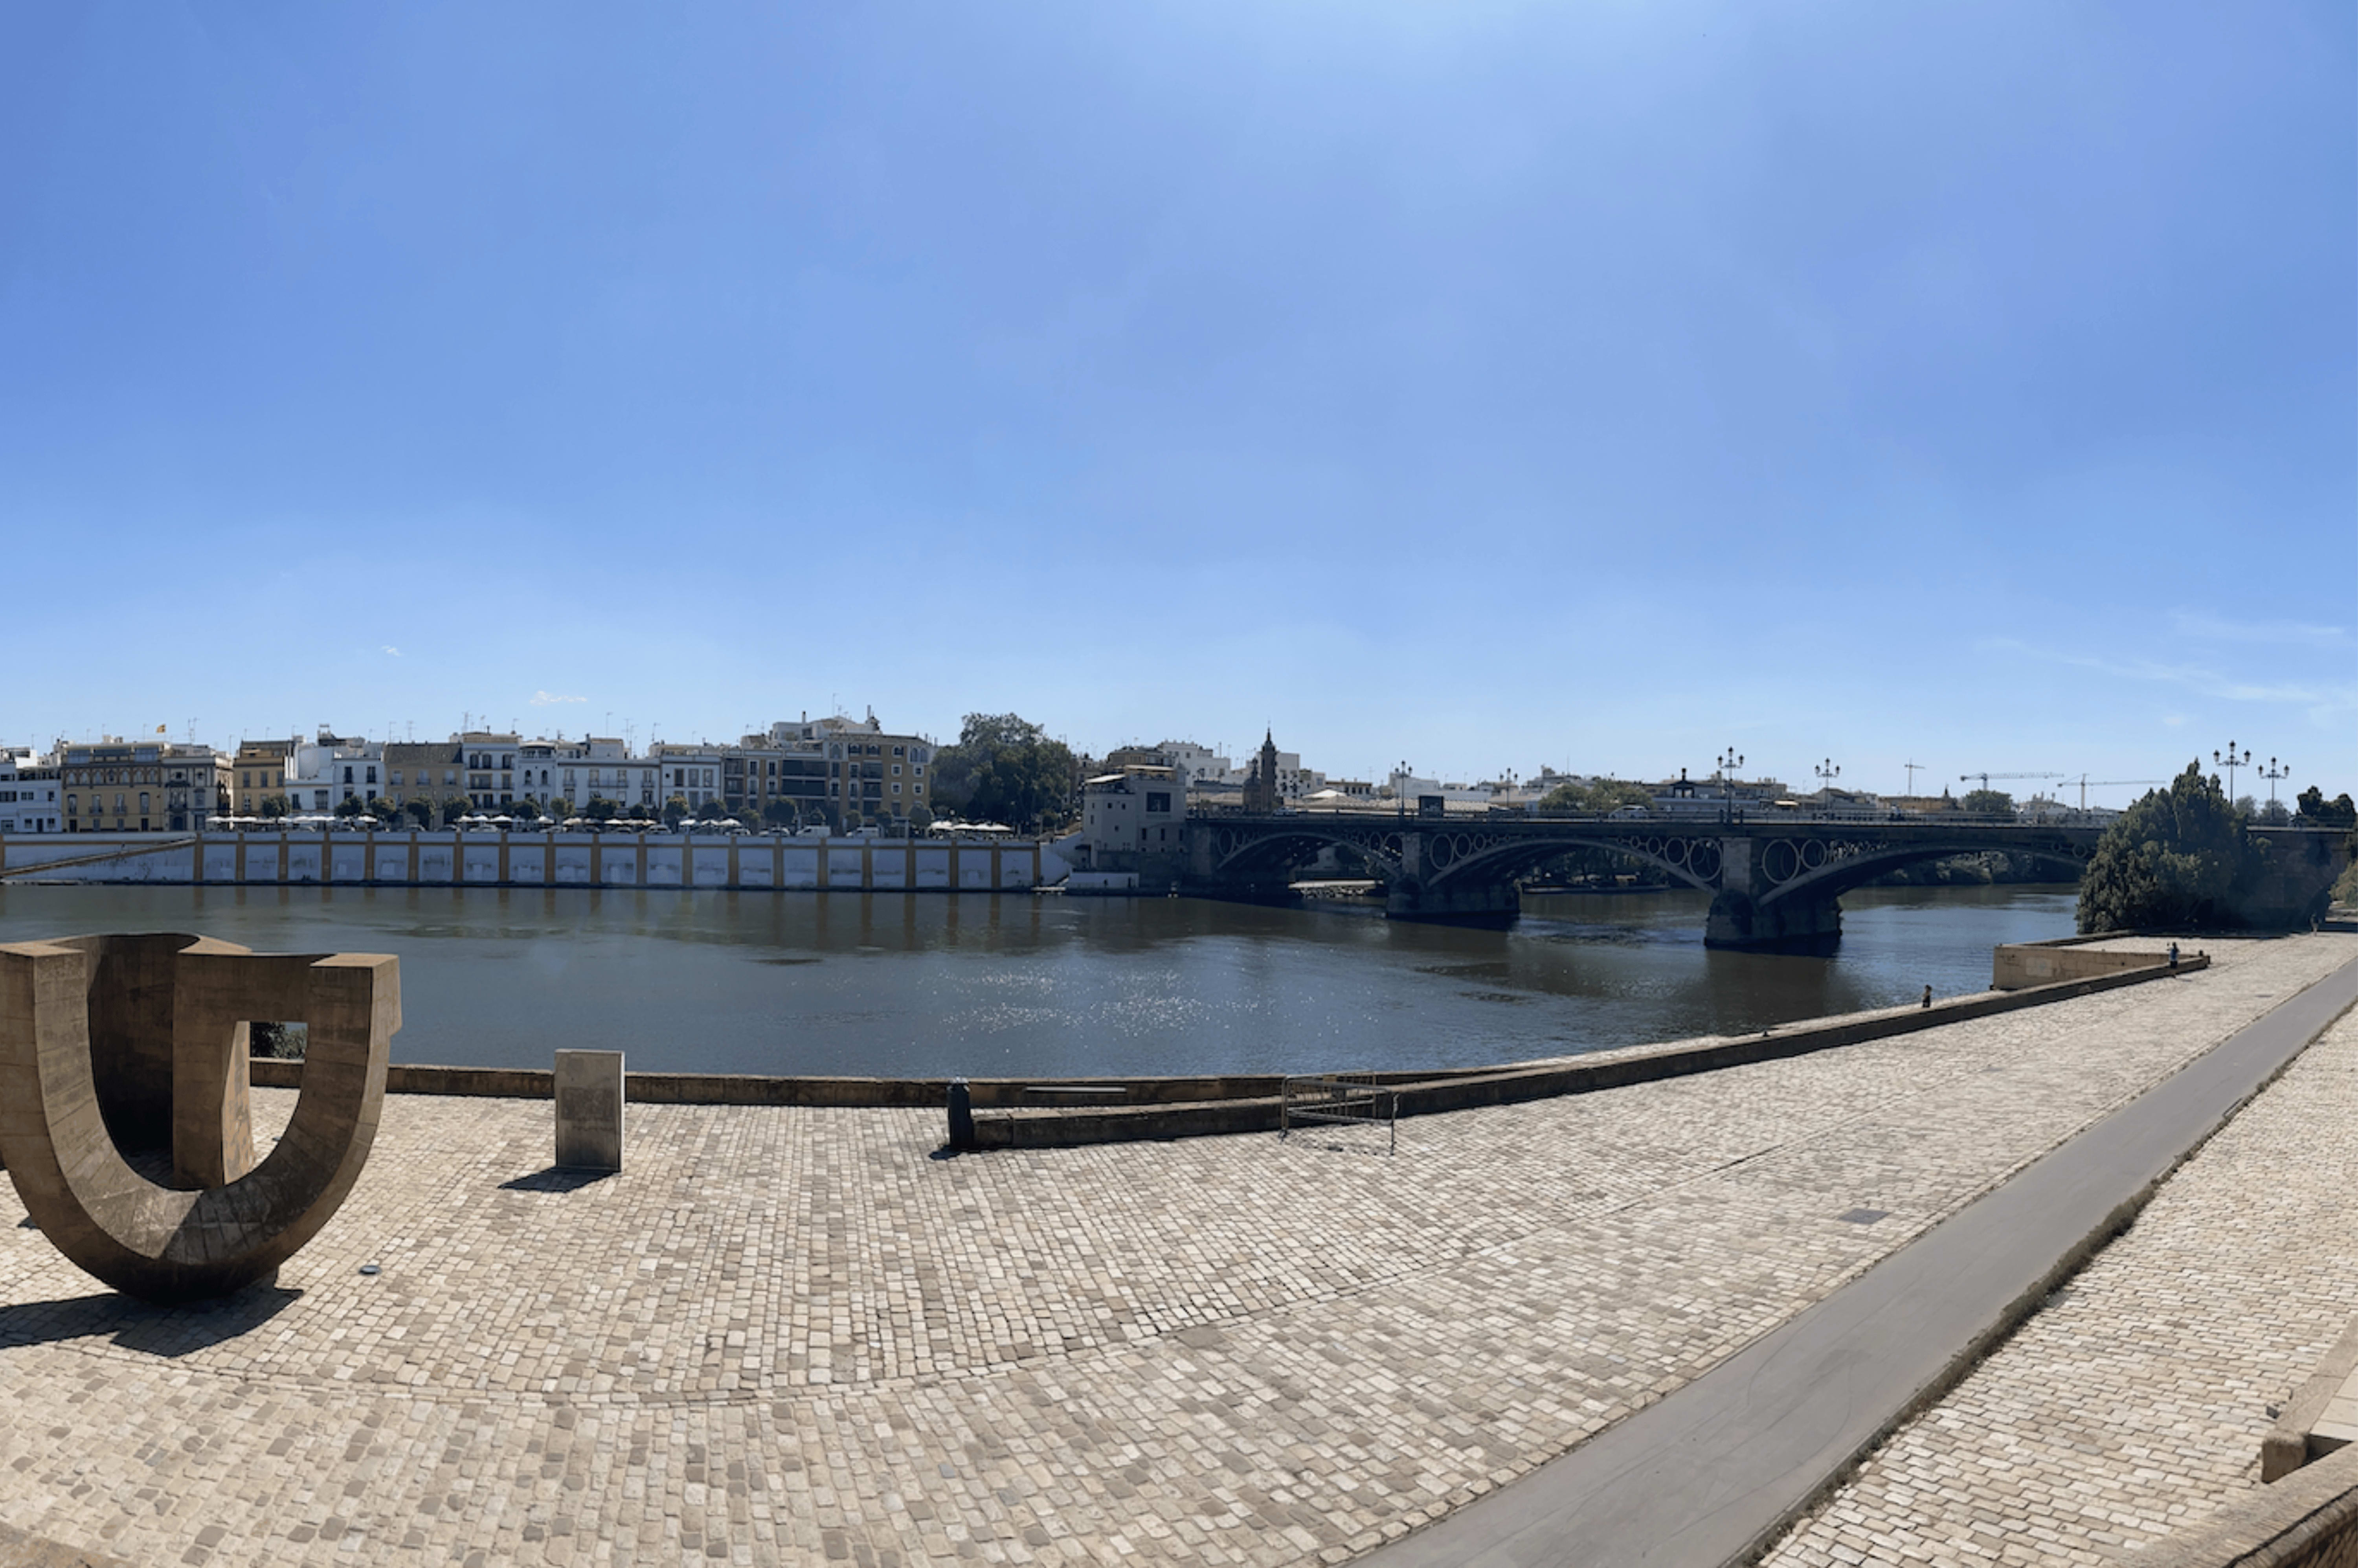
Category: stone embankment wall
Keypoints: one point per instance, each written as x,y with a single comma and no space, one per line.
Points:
2021,964
748,861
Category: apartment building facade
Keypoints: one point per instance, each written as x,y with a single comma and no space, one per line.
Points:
140,786
257,774
29,793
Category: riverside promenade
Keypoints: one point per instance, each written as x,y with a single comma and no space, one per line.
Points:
800,1336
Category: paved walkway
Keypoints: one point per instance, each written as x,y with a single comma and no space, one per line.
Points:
1711,1474
2134,1401
795,1335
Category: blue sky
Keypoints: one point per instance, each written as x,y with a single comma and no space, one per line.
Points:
1481,386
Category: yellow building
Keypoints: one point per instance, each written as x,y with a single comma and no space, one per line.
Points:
140,786
258,773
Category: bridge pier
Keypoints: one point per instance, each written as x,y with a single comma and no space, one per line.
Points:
1453,903
1743,915
1784,925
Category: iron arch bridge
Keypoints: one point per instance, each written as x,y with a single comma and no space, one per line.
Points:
1774,883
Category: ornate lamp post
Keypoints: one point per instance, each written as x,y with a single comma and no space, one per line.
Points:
2231,762
1727,763
2272,772
1827,772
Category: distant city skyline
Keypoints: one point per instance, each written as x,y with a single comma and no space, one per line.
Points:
1486,388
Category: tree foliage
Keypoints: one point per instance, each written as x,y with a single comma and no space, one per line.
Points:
420,811
1005,769
1598,797
279,1041
2318,811
1987,802
2174,860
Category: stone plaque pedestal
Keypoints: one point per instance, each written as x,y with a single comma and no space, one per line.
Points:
589,1110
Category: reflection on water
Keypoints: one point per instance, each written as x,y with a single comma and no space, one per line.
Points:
992,984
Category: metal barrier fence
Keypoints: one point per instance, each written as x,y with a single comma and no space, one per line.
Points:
1350,1099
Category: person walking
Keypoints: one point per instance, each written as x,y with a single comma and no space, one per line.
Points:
1928,994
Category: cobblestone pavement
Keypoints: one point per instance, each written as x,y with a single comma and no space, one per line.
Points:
2134,1403
800,1336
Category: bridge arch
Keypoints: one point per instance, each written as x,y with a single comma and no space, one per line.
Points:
1471,855
1785,869
1238,851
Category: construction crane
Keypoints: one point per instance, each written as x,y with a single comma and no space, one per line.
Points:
2086,784
1968,778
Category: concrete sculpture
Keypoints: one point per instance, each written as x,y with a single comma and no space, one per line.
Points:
124,1118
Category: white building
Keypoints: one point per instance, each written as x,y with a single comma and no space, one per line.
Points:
691,773
329,770
29,793
1197,766
1134,821
565,776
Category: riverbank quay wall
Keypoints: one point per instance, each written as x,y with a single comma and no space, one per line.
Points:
743,862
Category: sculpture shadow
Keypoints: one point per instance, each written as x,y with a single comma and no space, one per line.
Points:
556,1179
166,1331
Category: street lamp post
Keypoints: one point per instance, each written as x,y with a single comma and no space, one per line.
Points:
1728,761
2272,772
2231,762
1827,772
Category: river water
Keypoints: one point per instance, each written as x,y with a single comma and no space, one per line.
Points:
1025,985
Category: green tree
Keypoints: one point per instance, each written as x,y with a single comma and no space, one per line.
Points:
527,810
2170,861
422,811
383,809
1598,798
352,805
274,806
454,807
712,811
920,817
1005,768
601,809
1987,802
279,1041
2316,811
675,810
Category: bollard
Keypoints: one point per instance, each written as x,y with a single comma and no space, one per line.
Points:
589,1110
961,1117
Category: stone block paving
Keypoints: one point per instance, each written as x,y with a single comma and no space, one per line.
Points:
789,1336
2134,1403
